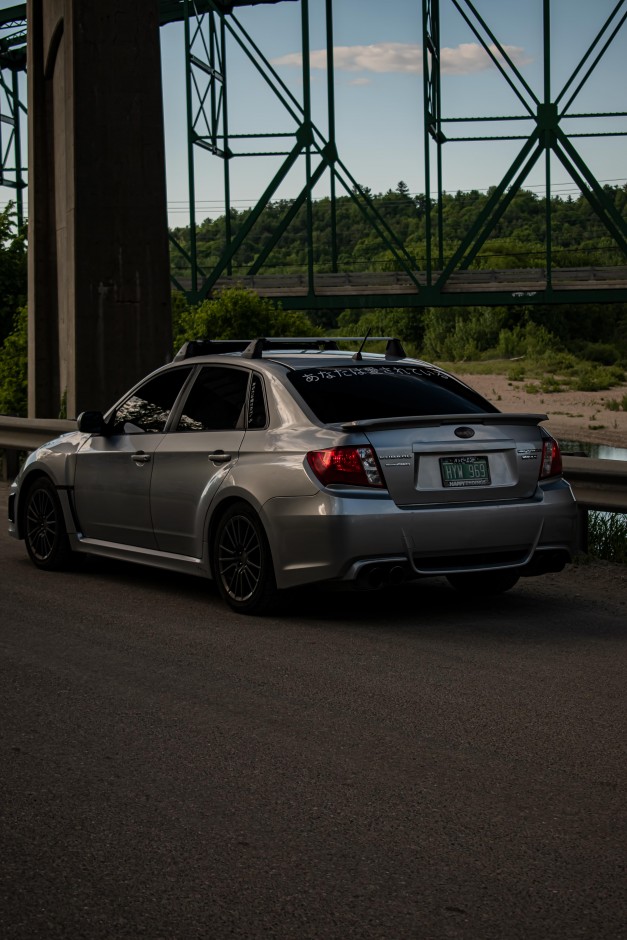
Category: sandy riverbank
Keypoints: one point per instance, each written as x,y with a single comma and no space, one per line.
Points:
573,416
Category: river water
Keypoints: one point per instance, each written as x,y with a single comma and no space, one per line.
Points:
597,451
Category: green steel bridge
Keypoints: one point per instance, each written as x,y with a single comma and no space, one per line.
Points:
211,29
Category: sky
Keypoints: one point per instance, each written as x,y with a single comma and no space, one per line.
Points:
379,96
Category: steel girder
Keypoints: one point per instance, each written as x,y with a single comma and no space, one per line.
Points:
432,287
211,24
207,27
12,62
546,137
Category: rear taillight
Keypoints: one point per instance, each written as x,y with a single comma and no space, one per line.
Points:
352,466
551,465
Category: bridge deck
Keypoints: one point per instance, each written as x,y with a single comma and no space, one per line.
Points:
396,282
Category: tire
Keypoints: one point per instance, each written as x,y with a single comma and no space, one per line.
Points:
44,528
242,563
484,583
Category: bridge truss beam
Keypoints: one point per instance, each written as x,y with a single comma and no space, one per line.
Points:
207,27
12,62
545,137
441,282
211,29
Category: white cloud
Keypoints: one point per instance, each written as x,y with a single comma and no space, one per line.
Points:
400,57
471,57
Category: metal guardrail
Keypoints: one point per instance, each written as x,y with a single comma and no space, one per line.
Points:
597,484
26,434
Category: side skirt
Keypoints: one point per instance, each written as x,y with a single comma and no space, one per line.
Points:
139,556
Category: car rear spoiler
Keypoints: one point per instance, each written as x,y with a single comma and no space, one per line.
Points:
428,421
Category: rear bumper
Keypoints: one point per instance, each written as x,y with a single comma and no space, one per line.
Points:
330,537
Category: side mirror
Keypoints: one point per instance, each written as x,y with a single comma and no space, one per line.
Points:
91,422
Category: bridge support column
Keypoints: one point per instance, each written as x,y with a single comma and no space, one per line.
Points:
98,280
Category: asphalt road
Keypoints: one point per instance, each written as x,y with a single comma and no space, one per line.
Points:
391,766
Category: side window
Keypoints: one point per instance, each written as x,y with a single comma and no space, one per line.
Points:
216,400
149,407
257,416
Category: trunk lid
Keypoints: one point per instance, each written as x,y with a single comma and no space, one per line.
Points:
462,458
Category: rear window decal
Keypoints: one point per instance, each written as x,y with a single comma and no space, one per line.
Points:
420,371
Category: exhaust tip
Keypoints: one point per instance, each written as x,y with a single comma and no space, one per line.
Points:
397,574
378,576
370,579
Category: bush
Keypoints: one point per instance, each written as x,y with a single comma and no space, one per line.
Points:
604,353
593,378
456,334
550,384
238,314
617,405
607,536
405,324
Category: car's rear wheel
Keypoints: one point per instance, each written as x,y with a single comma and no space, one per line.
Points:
241,561
44,528
484,583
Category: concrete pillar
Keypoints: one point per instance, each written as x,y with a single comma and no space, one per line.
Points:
99,291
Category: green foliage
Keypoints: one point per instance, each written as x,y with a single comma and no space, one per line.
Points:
516,373
518,241
596,333
14,368
13,270
456,334
607,536
605,353
617,405
407,325
550,384
594,378
238,314
527,339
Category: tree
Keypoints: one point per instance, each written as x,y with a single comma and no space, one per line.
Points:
13,269
240,314
14,368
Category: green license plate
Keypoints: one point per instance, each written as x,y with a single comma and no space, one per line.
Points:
465,471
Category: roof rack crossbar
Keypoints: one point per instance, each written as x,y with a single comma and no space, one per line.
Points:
253,349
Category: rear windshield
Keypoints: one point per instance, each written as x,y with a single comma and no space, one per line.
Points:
386,391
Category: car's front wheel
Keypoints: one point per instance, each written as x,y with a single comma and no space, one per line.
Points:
241,561
484,583
44,528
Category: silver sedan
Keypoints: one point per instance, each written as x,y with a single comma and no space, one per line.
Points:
271,464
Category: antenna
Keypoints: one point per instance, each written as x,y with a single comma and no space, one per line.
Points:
358,355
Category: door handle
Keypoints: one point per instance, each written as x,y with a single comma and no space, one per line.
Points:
140,457
219,457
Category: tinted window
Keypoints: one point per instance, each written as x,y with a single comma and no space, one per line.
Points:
216,400
390,391
149,407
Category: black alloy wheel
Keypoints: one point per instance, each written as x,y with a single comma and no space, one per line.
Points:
44,528
241,562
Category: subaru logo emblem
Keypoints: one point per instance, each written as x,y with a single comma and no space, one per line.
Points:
464,432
